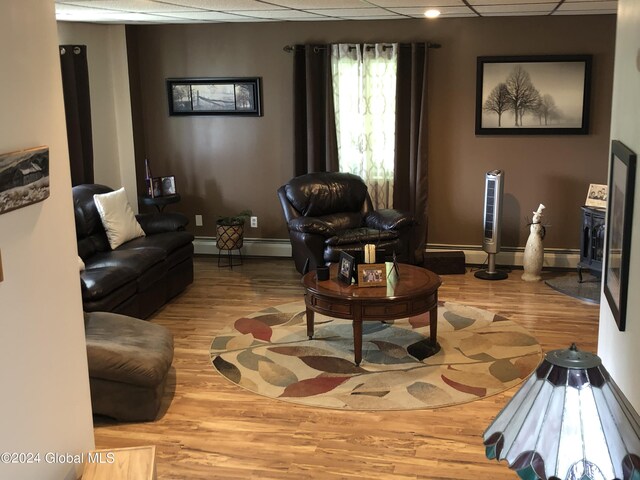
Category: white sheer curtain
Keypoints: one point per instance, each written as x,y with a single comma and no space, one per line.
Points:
364,90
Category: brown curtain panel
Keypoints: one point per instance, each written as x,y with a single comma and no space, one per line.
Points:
410,174
316,147
75,87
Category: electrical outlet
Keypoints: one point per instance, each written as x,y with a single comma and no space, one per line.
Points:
198,220
254,222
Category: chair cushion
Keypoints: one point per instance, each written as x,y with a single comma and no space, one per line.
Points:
139,260
97,283
168,242
361,236
117,217
324,193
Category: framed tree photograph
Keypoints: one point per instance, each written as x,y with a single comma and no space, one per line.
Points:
533,95
622,179
214,96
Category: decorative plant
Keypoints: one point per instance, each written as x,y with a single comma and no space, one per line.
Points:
234,220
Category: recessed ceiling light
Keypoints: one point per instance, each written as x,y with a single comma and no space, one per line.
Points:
432,13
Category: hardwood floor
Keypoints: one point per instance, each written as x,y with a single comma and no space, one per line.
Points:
216,430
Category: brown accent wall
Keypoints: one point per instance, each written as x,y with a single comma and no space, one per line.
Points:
227,164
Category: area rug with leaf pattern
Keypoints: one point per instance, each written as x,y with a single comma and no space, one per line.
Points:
269,353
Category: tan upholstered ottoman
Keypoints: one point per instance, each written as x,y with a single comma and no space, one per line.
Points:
129,360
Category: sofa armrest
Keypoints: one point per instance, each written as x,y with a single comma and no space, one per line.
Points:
311,225
389,219
162,222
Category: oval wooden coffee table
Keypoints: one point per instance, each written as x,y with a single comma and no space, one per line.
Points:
415,291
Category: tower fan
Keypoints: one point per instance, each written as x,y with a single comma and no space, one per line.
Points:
494,187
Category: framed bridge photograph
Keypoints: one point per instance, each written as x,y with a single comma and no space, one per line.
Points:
533,95
214,96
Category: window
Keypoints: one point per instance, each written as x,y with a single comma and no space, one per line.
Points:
364,88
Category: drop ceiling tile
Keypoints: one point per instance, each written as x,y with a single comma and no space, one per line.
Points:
352,12
225,5
524,9
79,9
419,12
281,14
208,16
590,4
423,4
134,6
510,2
317,4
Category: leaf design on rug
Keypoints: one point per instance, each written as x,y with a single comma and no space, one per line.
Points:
526,365
313,386
227,369
220,343
240,342
250,360
474,345
429,393
391,349
470,381
299,351
509,339
331,364
273,319
458,322
504,370
418,321
255,327
276,374
477,391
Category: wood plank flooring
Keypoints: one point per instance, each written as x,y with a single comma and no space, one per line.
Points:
212,429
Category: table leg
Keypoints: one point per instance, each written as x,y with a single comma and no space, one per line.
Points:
433,324
357,340
310,314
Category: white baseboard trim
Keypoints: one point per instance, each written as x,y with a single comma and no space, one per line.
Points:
253,247
513,256
474,255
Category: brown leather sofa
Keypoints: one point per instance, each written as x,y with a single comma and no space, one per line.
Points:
139,276
331,212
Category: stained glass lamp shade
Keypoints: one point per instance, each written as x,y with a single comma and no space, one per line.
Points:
569,421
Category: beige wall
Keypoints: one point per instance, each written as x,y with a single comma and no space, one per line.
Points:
619,350
110,102
226,164
45,404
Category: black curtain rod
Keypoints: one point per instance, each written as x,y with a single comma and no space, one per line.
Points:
292,48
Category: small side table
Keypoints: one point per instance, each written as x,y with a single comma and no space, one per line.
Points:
160,202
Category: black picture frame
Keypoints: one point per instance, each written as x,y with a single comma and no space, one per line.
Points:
553,93
622,179
346,267
215,96
168,185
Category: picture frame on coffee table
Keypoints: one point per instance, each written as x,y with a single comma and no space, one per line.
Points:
346,268
372,275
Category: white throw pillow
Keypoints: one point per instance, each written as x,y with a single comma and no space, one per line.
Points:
117,217
80,263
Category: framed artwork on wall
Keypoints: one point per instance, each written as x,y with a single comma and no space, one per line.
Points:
24,178
214,96
533,95
622,179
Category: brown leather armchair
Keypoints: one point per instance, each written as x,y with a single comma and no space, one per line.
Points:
330,212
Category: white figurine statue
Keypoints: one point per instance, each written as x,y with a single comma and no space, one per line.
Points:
534,252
